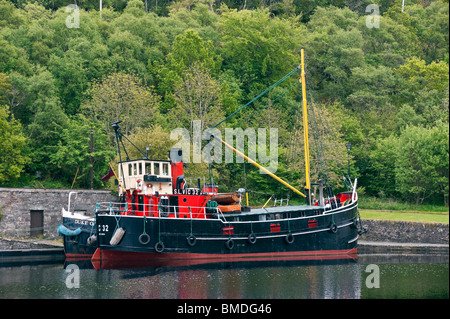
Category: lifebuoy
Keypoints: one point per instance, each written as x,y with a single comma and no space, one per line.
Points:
333,228
144,239
289,238
229,244
159,247
252,238
191,240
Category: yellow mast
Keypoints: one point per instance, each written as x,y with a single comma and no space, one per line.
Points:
305,129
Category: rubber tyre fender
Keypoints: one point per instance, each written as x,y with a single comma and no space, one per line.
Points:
355,222
159,247
144,239
289,238
333,228
229,244
191,240
252,238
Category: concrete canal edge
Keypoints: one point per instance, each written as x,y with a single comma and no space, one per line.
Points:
21,256
14,251
382,237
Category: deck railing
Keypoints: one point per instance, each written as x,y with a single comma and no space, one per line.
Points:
162,210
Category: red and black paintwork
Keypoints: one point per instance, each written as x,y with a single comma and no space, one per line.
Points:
284,232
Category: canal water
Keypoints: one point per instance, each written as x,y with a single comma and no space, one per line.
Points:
372,276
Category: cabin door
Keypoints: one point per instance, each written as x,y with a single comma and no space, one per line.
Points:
173,204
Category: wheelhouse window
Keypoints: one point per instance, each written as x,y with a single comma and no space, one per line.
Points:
165,169
156,169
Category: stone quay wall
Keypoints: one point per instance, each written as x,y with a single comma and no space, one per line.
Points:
405,232
17,205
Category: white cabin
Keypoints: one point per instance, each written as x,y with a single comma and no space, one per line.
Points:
147,176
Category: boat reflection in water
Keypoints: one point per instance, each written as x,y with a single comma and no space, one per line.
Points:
172,263
285,278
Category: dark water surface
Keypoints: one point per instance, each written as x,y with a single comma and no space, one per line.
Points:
399,276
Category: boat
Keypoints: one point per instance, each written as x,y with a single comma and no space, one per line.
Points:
78,231
159,217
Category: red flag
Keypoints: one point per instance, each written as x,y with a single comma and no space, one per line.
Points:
108,175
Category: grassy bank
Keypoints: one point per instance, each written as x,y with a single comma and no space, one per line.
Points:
394,205
388,209
412,216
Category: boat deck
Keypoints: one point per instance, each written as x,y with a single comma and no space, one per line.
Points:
297,210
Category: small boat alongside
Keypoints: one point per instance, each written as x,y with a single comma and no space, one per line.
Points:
78,231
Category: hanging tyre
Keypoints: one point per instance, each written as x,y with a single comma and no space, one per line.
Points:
252,238
229,244
191,240
144,239
333,228
159,247
289,238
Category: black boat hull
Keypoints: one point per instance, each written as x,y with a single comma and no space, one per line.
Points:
77,246
315,234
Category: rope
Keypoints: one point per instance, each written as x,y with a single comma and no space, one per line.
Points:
190,215
259,95
145,220
271,103
327,131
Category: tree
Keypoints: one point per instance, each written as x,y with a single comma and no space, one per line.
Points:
13,156
425,86
198,98
121,97
155,137
189,49
335,48
431,24
260,49
5,87
72,155
421,163
10,16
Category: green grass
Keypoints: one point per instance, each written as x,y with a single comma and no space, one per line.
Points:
365,202
412,216
389,209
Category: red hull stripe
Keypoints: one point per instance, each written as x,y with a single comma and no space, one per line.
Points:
101,254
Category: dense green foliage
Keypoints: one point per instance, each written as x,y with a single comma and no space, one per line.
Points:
158,65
